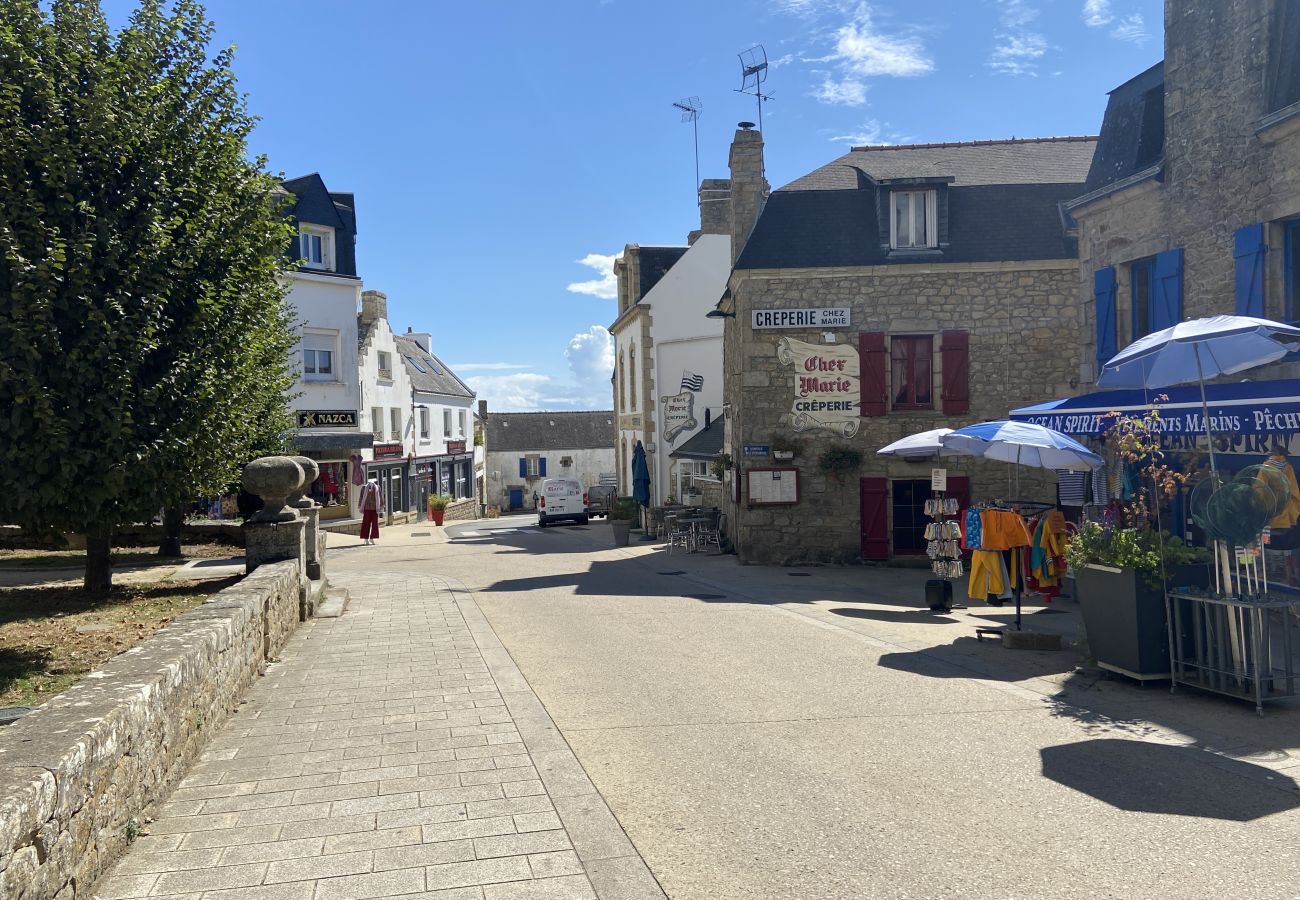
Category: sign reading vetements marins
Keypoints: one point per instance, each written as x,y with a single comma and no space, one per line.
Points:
837,317
322,418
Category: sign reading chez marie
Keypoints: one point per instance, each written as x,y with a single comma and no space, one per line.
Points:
679,414
837,317
826,385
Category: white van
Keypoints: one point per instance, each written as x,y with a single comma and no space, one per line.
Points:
561,498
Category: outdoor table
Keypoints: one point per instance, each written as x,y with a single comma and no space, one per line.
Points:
695,523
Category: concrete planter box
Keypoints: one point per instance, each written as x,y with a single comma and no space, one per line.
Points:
1128,631
621,531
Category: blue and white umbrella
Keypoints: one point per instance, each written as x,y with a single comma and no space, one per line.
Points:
1198,349
923,444
1022,443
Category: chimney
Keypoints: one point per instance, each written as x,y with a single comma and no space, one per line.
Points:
749,189
423,338
374,306
482,409
715,207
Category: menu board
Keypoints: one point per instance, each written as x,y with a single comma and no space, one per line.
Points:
773,487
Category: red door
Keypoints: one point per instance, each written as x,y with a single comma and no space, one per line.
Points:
874,525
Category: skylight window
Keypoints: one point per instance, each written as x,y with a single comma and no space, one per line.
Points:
433,365
418,367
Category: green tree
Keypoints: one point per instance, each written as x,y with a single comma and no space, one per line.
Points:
143,334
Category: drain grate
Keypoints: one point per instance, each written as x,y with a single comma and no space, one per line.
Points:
799,574
705,596
421,534
675,572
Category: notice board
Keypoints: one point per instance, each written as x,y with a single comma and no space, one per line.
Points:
773,487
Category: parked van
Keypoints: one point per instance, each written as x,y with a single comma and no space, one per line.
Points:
600,498
561,498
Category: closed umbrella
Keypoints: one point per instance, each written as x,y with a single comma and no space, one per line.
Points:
640,476
923,444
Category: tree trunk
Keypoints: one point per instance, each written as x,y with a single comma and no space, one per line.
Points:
99,561
172,520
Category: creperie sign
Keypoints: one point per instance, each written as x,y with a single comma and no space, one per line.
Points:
837,317
827,377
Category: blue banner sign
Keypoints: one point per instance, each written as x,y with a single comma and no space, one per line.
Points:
757,450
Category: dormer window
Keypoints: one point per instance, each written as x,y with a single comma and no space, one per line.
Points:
913,220
316,247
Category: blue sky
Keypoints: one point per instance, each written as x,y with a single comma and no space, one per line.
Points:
495,146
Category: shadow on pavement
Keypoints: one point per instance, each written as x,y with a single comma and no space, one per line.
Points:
959,660
917,616
1139,776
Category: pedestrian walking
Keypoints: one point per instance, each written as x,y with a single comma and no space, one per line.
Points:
372,504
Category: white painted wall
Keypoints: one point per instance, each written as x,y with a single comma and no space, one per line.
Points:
386,393
503,470
327,305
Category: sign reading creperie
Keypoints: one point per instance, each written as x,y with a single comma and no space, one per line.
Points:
837,317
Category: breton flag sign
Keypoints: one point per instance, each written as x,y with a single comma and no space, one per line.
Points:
692,382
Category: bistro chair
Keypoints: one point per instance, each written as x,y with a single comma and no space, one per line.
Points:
679,534
712,533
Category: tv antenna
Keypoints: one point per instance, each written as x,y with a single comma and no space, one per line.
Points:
691,108
753,72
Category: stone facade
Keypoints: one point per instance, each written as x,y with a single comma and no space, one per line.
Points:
1022,319
81,774
1229,161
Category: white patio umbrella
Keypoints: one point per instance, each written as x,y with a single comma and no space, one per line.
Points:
923,444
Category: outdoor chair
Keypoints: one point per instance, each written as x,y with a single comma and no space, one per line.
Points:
712,533
679,535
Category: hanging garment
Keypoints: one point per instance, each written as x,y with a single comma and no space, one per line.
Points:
988,575
358,469
1070,488
974,532
1283,480
1100,486
1002,529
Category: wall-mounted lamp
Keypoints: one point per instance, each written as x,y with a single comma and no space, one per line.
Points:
719,314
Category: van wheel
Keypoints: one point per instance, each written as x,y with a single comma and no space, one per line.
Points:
541,523
582,520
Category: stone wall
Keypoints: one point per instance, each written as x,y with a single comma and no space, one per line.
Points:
1023,323
1223,169
77,775
462,509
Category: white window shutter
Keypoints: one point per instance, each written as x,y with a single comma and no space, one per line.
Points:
893,220
932,218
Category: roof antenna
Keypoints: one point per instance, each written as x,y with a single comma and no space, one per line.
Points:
691,108
753,72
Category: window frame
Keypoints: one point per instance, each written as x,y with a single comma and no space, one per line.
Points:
385,362
377,422
426,424
1147,266
897,342
460,421
326,240
395,422
930,240
311,369
446,424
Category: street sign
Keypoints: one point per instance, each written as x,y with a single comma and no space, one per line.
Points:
757,450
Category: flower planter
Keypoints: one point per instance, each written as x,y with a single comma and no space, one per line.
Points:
621,531
1125,618
437,515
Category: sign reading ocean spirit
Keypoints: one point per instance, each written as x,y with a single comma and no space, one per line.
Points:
826,385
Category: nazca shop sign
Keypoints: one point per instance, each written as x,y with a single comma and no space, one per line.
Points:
318,418
826,383
679,414
836,317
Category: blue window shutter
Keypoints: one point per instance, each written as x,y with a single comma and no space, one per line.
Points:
1167,290
542,467
1103,288
523,467
1249,249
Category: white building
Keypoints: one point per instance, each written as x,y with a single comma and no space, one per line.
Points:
387,406
325,291
525,448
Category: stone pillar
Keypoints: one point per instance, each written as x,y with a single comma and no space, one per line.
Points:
314,538
276,532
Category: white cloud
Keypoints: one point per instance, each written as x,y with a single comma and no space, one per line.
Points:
488,366
1018,54
1097,13
1131,28
591,356
872,132
1016,13
518,392
863,51
841,93
605,287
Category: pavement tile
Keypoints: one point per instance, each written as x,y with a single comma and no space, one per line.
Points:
568,887
471,828
138,863
419,783
375,804
424,815
592,828
295,890
284,814
509,807
374,840
121,887
555,864
426,854
312,867
296,783
498,776
209,879
230,837
184,824
377,884
537,821
329,826
517,844
522,788
275,850
460,794
483,871
623,878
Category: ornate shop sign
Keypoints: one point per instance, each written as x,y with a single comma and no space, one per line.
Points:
679,414
826,381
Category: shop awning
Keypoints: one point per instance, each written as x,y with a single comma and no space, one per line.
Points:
332,440
1244,407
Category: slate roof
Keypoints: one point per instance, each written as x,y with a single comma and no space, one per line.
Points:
532,431
1003,204
313,203
704,444
1132,131
655,263
429,374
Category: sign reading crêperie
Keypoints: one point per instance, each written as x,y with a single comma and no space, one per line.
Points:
837,317
826,385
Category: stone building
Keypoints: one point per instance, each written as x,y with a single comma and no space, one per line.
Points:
892,291
1192,204
525,448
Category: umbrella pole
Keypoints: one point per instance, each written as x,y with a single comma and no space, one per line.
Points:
1205,410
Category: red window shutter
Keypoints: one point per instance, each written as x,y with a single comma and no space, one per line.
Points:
959,487
874,494
871,349
956,371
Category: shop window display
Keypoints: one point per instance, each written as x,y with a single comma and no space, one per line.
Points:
330,490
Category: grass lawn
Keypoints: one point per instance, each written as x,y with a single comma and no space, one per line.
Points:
122,556
51,636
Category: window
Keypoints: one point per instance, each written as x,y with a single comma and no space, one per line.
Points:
462,480
446,423
395,420
316,247
385,364
318,357
534,466
909,498
1291,268
1282,77
377,422
913,219
461,417
424,424
911,358
1142,286
631,378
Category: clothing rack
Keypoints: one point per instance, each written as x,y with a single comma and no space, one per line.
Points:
1026,509
943,547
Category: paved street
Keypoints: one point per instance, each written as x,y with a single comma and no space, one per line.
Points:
764,733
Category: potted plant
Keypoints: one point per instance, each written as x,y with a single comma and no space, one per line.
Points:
438,504
720,465
622,514
839,460
784,446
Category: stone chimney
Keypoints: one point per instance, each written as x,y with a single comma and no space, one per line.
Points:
715,207
749,189
374,306
423,338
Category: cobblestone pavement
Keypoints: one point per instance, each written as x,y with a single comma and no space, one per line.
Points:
396,751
